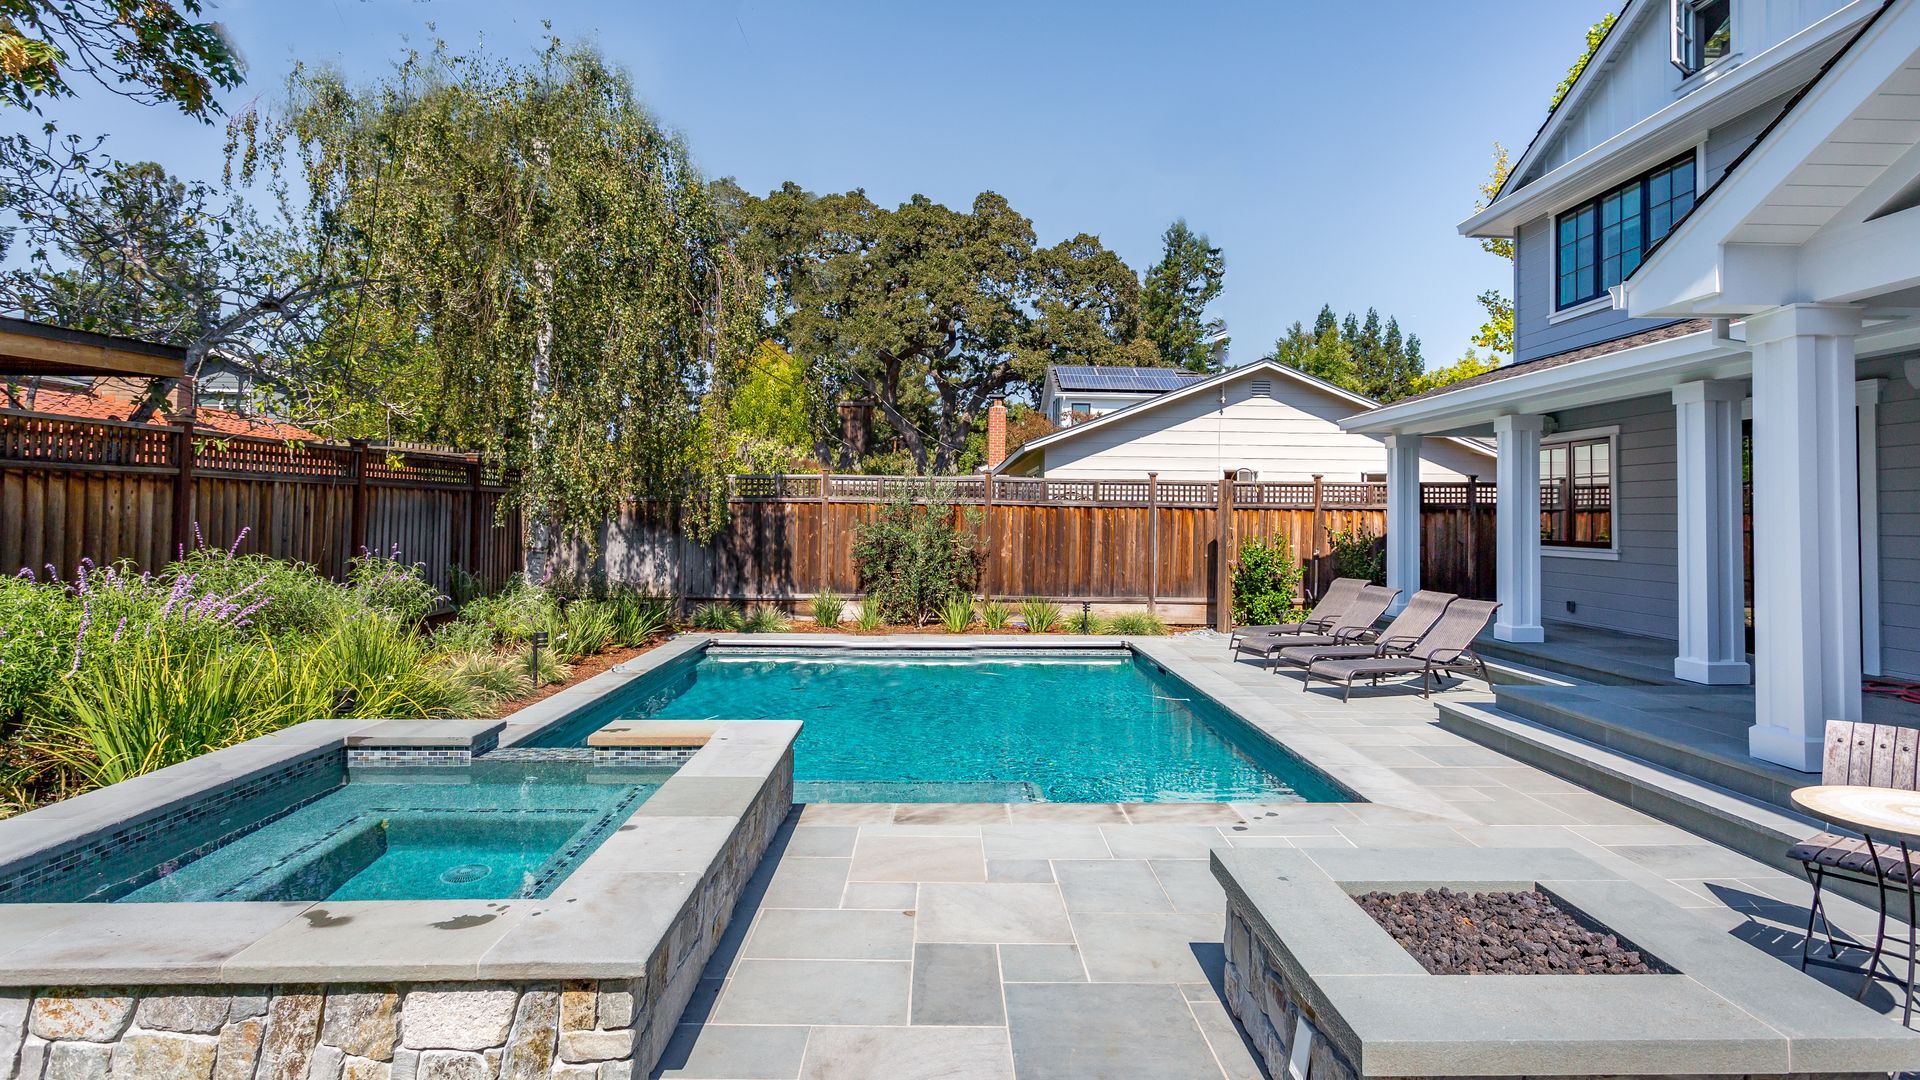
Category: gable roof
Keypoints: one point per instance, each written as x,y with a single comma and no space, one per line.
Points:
1121,379
1568,104
1266,365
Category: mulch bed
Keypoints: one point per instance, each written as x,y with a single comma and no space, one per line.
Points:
1501,933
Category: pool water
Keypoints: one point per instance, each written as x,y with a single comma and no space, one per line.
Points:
490,830
991,727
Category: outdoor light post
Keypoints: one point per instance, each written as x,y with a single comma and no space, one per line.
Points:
538,638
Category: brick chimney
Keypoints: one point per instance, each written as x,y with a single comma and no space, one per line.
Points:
996,434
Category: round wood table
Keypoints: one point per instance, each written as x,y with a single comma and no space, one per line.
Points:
1886,812
1886,818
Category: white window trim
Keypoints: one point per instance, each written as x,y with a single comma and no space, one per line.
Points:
1611,553
1603,302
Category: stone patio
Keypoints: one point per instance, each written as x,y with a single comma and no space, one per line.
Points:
1085,941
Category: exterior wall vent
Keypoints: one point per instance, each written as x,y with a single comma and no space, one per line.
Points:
1263,388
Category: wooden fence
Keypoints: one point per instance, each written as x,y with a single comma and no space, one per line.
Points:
73,489
1114,542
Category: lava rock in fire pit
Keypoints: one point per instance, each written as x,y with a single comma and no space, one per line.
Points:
1501,933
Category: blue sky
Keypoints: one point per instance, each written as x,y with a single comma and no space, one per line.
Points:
1329,147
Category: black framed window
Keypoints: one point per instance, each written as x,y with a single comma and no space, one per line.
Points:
1576,493
1601,243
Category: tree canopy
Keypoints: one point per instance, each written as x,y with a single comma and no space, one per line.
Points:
1174,301
1361,355
927,311
153,51
540,274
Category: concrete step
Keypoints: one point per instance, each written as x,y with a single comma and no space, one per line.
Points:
1750,826
1588,665
1715,754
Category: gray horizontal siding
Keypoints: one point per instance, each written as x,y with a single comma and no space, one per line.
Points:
1899,450
1636,593
1534,335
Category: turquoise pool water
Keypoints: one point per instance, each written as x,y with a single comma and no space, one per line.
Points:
1101,727
491,830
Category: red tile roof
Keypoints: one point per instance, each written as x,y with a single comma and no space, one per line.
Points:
93,406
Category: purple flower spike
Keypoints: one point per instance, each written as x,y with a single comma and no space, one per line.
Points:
235,549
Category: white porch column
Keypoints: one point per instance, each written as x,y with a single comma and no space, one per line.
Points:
1403,517
1713,639
1517,530
1806,573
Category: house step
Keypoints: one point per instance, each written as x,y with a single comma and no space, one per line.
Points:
1750,826
1596,666
1712,748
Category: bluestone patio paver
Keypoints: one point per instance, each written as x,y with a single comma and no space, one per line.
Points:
956,984
1068,1031
930,1053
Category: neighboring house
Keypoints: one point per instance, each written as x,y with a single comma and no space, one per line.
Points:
1074,393
1717,249
1272,421
115,399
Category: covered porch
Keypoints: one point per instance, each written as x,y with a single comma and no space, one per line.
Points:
1782,347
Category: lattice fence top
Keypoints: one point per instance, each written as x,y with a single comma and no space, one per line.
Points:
54,441
1037,491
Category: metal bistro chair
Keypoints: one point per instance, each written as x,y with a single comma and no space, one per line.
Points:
1865,755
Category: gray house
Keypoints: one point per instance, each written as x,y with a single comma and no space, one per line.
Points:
1717,281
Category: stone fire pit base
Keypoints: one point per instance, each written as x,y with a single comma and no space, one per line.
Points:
1323,991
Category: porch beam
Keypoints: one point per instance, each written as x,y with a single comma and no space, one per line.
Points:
1403,518
1713,640
1806,575
1517,530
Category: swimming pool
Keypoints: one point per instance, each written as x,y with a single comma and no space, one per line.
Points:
489,830
973,726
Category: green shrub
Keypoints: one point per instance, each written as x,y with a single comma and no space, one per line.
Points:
1358,553
765,619
586,627
716,616
37,630
827,608
385,584
994,615
1134,624
1266,583
513,614
957,614
639,617
912,560
1040,615
1083,622
869,617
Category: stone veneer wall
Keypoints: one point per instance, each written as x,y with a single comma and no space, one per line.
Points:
1270,1010
493,1030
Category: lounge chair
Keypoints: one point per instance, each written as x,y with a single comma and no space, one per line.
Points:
1352,625
1421,615
1448,643
1338,597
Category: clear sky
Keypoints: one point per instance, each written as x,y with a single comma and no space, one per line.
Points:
1330,147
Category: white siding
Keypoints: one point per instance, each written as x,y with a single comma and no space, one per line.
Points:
1637,593
1642,80
1289,436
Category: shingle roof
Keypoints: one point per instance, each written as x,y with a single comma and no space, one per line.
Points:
1136,379
1542,363
91,406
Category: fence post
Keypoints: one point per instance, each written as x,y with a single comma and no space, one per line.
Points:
986,535
473,518
182,485
1153,542
357,522
826,533
1473,536
1318,531
1223,563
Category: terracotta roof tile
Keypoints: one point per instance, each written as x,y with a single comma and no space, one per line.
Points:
92,406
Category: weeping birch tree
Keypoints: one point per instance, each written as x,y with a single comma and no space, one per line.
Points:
539,272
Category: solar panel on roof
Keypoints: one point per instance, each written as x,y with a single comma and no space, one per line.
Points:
1084,377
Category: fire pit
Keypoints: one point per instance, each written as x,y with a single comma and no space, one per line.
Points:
1348,964
1502,933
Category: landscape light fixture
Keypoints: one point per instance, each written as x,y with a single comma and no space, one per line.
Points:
537,639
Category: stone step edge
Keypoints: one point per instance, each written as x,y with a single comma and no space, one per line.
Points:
1653,747
1747,825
